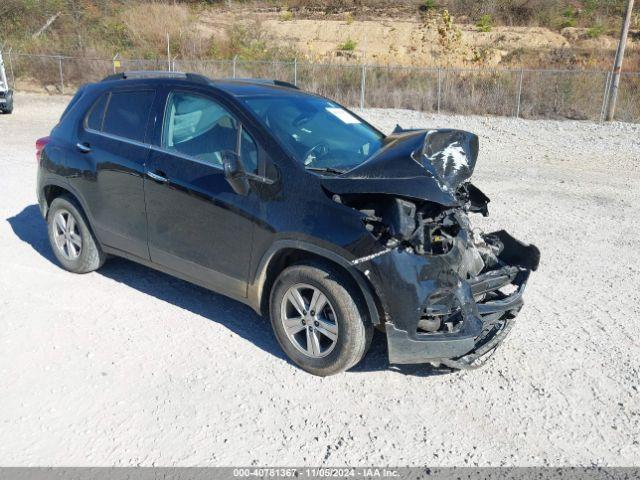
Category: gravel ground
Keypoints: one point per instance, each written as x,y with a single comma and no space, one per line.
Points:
127,366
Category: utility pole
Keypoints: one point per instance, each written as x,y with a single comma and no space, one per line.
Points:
617,66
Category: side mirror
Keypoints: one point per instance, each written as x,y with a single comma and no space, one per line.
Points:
234,173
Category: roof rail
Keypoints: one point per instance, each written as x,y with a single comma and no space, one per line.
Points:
194,77
266,81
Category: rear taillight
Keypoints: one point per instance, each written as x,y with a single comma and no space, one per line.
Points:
40,144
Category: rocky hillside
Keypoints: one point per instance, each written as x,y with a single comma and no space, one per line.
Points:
434,40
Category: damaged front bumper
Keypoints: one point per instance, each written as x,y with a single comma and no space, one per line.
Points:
439,313
484,325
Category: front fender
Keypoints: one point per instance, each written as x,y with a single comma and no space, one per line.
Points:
256,287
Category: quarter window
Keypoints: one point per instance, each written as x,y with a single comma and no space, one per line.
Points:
96,114
127,114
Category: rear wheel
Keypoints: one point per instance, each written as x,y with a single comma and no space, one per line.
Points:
318,318
72,241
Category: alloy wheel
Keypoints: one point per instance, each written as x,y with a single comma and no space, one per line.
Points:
309,320
66,235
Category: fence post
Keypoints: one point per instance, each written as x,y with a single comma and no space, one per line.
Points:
362,85
235,57
439,86
519,94
168,51
61,76
295,71
605,96
13,78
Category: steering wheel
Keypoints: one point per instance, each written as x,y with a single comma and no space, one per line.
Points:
314,153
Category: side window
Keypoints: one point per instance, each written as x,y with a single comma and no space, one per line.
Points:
127,114
248,152
96,113
200,127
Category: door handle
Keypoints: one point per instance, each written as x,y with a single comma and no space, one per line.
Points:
157,178
83,147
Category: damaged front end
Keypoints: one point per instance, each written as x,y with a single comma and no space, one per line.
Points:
449,292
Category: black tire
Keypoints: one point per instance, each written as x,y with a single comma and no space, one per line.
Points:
354,327
8,108
90,256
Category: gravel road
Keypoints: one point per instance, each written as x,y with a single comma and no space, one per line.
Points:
127,366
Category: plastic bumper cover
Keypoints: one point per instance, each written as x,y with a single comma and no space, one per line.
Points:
484,325
483,307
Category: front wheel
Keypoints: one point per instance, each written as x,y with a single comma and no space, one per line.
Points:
319,319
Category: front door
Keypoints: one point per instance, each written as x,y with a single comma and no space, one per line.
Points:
198,226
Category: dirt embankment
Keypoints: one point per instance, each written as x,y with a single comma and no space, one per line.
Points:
434,40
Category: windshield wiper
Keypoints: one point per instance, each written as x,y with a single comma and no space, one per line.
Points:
325,170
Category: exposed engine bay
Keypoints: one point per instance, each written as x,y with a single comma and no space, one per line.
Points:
423,227
449,292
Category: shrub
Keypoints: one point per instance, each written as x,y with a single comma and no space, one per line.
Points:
595,31
429,5
485,23
286,15
568,17
448,34
348,46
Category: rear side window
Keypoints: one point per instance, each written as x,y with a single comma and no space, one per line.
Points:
127,114
124,114
96,113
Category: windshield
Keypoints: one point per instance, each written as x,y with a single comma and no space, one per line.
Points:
320,134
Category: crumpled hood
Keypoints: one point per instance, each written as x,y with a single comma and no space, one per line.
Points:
421,164
452,153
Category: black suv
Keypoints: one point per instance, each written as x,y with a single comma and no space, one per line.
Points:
292,204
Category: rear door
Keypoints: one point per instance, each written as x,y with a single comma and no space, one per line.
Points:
114,139
198,225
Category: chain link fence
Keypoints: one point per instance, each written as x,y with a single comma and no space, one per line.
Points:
525,93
